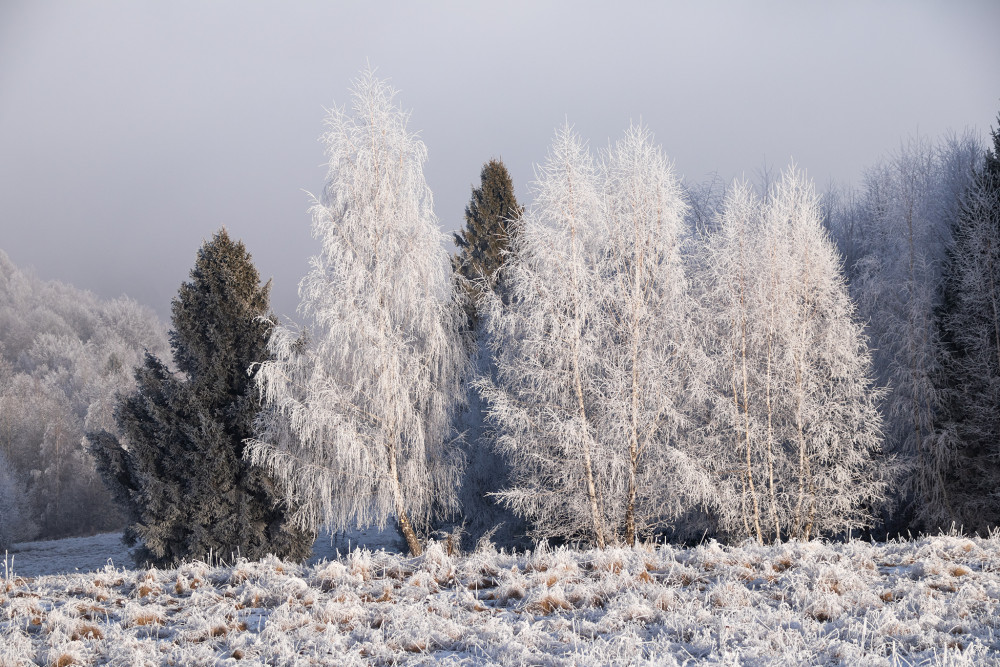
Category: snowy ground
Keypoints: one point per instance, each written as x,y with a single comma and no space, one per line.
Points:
86,554
932,601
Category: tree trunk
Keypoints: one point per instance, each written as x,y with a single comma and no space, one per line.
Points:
770,450
405,527
633,445
588,468
772,493
746,395
803,470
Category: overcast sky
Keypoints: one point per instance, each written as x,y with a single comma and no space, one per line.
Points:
131,131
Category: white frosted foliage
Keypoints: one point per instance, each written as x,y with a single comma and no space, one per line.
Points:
904,224
592,357
360,403
796,429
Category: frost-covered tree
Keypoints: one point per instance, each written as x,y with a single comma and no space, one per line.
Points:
547,342
360,408
9,511
594,363
732,304
64,355
491,219
969,320
795,429
650,361
179,471
15,522
908,204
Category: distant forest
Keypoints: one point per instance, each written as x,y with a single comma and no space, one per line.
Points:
626,357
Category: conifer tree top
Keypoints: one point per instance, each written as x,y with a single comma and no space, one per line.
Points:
213,311
489,219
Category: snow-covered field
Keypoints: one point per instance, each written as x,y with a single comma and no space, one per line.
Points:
85,554
931,601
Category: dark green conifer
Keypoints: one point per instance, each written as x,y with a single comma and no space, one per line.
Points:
491,223
969,321
490,220
179,473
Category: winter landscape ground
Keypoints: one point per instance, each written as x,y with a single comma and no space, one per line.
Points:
930,601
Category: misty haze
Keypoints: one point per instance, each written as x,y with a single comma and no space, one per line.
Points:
551,333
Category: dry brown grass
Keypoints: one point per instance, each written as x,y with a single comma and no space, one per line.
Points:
615,566
833,586
821,615
943,586
64,660
87,631
782,564
548,604
482,582
415,647
385,597
148,618
666,601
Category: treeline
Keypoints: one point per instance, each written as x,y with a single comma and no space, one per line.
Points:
626,358
920,242
637,359
64,357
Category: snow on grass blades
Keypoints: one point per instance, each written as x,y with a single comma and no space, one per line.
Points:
931,601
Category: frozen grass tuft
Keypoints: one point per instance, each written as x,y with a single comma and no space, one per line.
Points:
934,601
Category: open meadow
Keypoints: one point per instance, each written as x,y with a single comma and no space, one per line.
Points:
931,601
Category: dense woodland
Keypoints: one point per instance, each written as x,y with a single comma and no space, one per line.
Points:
627,357
64,357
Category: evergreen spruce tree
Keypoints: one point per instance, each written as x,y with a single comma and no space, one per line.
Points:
179,472
969,321
490,220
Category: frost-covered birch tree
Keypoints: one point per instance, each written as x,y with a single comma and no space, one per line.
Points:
729,307
548,343
593,358
840,472
360,404
649,364
795,429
